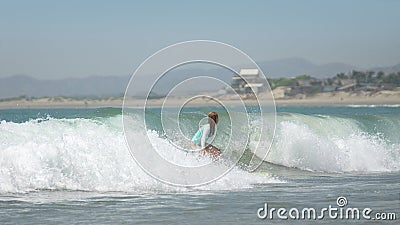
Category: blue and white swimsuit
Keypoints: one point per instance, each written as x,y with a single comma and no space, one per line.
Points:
201,136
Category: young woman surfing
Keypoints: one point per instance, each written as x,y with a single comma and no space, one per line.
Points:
204,132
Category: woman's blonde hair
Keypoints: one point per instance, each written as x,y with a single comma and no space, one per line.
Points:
212,120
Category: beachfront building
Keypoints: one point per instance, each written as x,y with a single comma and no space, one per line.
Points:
346,84
248,81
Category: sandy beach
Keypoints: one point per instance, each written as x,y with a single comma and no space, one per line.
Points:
343,98
331,98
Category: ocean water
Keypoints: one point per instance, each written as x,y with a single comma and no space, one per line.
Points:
72,166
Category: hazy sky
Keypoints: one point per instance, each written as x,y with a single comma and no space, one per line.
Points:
54,39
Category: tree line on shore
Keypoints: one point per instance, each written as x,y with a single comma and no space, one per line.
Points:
358,80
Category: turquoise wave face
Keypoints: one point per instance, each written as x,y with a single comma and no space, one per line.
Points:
23,115
345,110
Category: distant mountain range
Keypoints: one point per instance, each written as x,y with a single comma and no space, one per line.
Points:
95,86
389,69
104,86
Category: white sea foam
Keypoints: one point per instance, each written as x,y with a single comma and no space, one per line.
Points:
331,144
374,106
84,154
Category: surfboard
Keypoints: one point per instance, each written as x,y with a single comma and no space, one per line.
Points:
211,150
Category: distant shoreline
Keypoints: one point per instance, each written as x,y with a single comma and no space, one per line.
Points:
331,98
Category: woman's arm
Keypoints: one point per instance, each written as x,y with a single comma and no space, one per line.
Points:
206,131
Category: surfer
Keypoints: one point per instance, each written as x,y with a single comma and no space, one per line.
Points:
205,131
